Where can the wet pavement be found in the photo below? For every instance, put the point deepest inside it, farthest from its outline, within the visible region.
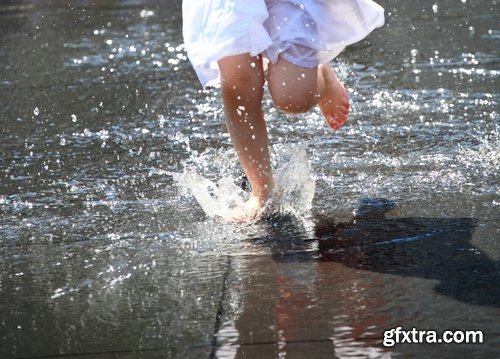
(104, 254)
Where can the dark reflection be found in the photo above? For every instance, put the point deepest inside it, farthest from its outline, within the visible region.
(433, 248)
(337, 283)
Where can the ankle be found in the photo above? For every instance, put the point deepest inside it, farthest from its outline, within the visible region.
(262, 195)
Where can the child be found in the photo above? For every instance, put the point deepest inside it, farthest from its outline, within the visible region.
(227, 41)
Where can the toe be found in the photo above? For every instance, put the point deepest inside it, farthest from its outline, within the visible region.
(336, 121)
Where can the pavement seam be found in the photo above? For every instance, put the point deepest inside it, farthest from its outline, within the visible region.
(220, 309)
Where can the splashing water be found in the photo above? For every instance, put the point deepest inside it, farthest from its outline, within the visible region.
(486, 155)
(293, 194)
(293, 181)
(216, 199)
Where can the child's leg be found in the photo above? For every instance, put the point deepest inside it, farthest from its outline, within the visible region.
(296, 89)
(334, 100)
(242, 81)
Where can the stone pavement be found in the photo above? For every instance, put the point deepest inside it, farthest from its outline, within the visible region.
(100, 259)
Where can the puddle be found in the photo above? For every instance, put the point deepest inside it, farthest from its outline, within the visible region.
(116, 167)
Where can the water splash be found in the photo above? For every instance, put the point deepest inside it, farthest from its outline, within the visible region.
(293, 181)
(216, 199)
(486, 155)
(294, 191)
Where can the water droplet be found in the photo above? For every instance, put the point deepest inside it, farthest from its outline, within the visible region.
(146, 13)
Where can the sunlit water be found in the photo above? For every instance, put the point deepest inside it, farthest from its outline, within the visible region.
(117, 170)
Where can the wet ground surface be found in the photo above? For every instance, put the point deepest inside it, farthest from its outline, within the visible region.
(103, 254)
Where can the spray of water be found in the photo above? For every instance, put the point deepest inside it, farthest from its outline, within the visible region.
(293, 194)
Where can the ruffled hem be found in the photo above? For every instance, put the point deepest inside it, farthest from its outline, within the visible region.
(306, 32)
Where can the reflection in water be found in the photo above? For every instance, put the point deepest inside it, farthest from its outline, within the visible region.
(334, 282)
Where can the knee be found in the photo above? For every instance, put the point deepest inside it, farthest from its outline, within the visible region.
(293, 88)
(293, 101)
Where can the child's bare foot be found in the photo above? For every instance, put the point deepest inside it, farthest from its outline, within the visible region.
(257, 207)
(250, 212)
(334, 103)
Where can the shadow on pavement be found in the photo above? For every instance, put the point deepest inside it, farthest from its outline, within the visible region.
(431, 248)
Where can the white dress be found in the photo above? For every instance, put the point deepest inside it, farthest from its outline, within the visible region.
(305, 32)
